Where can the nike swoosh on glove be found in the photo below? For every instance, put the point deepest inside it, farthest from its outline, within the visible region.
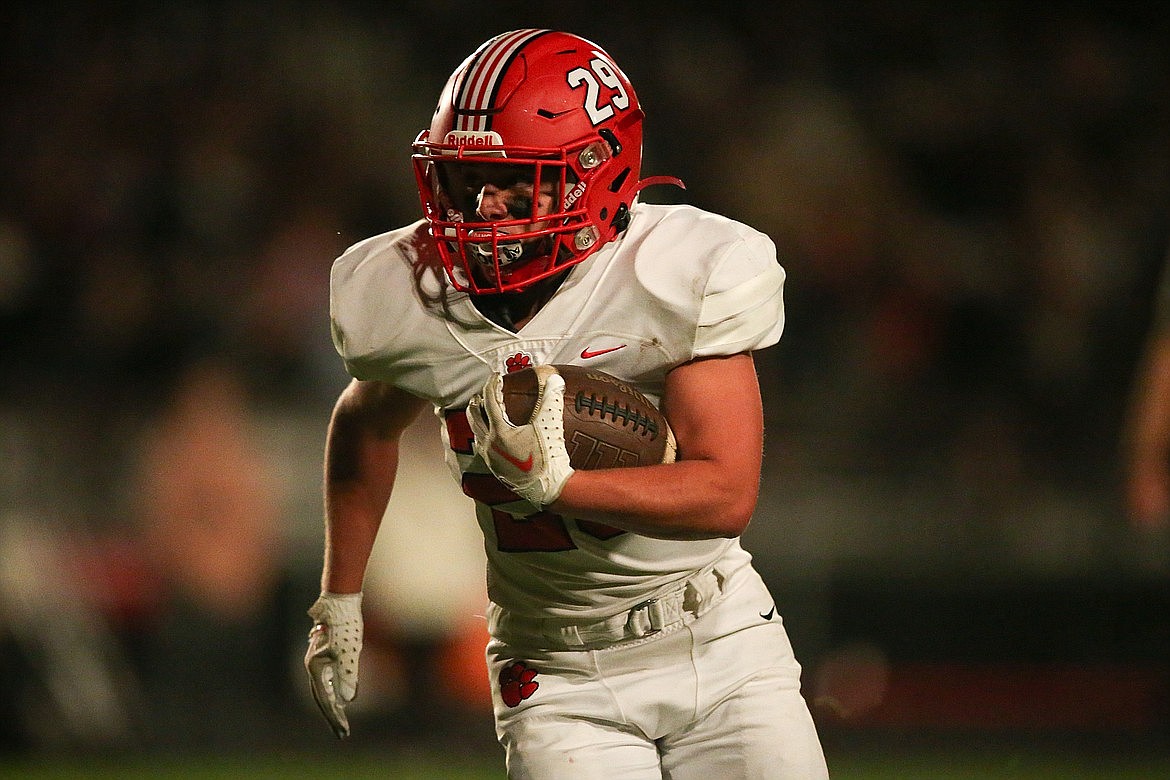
(335, 643)
(530, 458)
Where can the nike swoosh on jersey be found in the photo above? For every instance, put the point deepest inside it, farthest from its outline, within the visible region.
(768, 615)
(523, 465)
(592, 353)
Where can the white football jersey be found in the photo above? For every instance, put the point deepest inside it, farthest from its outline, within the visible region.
(678, 284)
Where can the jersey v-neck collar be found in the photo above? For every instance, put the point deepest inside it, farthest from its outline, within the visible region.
(504, 310)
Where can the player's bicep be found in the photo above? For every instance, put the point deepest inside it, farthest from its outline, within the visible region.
(714, 408)
(367, 423)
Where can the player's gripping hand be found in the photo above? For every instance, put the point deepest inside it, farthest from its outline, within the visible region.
(531, 457)
(335, 643)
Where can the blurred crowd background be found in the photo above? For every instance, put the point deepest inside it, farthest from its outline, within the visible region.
(972, 201)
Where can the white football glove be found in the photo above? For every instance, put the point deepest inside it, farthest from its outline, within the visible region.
(332, 659)
(531, 457)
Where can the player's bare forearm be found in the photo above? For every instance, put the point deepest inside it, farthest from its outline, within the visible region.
(715, 411)
(361, 460)
(683, 500)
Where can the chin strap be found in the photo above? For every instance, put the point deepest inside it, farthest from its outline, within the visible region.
(650, 181)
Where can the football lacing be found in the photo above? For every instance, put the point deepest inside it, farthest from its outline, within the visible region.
(628, 416)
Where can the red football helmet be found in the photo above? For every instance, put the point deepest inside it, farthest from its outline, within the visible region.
(532, 160)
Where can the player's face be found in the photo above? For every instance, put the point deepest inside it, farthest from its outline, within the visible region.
(497, 191)
(513, 201)
(508, 196)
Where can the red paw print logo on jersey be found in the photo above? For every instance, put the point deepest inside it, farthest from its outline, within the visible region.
(518, 362)
(517, 683)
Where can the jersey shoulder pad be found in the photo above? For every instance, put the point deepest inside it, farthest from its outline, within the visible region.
(374, 291)
(723, 272)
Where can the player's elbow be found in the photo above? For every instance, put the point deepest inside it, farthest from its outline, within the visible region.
(737, 505)
(736, 520)
(720, 519)
(724, 525)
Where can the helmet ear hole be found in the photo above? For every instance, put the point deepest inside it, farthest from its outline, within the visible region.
(619, 182)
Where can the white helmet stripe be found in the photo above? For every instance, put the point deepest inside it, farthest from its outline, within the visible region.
(479, 83)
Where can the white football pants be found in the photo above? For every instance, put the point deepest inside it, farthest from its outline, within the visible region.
(715, 697)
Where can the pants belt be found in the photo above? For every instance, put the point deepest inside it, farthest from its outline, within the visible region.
(692, 598)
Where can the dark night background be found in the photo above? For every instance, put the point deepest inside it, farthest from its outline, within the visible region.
(970, 200)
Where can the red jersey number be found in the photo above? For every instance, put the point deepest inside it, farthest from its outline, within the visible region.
(540, 532)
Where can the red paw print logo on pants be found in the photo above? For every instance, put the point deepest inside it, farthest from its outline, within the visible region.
(517, 683)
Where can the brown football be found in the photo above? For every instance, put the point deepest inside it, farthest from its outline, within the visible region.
(608, 424)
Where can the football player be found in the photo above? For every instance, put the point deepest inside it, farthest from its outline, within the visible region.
(630, 634)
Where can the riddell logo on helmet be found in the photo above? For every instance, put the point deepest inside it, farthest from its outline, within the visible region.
(473, 138)
(575, 193)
